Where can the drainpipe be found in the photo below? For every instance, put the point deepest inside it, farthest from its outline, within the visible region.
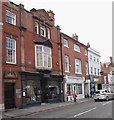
(61, 59)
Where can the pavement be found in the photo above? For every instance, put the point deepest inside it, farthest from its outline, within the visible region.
(16, 113)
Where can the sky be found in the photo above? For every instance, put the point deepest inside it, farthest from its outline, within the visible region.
(91, 20)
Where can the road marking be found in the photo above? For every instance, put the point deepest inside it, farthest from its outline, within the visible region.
(84, 112)
(106, 103)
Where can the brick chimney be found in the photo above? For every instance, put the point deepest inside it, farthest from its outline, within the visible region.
(88, 45)
(52, 18)
(75, 36)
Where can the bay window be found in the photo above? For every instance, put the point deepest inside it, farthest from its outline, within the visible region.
(43, 57)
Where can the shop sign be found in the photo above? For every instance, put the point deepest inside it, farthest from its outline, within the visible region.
(46, 75)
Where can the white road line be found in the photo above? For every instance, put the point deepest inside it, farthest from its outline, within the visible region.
(106, 103)
(84, 112)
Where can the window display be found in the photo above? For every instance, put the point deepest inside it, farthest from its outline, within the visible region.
(32, 91)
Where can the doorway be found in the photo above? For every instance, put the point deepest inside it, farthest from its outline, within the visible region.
(9, 95)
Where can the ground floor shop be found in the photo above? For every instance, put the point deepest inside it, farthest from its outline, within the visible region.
(73, 84)
(95, 84)
(40, 88)
(30, 89)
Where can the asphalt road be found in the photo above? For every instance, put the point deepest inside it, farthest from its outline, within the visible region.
(89, 109)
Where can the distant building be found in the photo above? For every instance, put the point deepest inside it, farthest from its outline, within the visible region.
(108, 75)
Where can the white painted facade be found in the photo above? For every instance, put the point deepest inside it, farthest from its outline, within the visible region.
(94, 65)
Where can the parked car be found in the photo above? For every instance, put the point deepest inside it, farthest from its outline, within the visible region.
(103, 95)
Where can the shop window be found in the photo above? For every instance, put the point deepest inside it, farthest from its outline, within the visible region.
(79, 88)
(51, 92)
(68, 89)
(32, 91)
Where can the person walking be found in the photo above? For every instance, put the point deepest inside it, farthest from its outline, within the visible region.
(74, 96)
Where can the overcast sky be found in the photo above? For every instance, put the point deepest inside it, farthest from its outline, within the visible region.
(90, 19)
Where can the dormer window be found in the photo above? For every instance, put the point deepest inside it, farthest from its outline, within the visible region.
(42, 31)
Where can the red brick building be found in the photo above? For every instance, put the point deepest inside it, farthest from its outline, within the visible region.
(31, 70)
(75, 66)
(107, 75)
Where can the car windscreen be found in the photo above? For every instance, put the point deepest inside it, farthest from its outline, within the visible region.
(97, 92)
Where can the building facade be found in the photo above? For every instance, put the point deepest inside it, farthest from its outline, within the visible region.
(75, 66)
(31, 59)
(94, 69)
(107, 75)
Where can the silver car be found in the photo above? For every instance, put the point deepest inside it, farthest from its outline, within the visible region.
(103, 95)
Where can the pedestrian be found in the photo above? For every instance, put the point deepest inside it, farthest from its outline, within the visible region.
(74, 96)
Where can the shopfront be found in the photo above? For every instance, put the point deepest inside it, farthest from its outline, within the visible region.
(40, 88)
(73, 83)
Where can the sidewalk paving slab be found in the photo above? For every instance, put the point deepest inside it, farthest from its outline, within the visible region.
(35, 109)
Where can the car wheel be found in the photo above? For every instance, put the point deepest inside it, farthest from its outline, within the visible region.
(107, 98)
(95, 100)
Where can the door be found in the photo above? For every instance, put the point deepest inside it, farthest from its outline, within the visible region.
(9, 96)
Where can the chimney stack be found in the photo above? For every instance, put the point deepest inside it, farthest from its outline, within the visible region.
(52, 18)
(75, 36)
(88, 45)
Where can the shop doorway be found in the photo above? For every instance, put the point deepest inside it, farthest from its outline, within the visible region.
(9, 95)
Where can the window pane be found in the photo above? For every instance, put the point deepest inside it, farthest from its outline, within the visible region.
(10, 17)
(44, 57)
(10, 50)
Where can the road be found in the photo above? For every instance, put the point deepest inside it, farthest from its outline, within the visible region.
(89, 109)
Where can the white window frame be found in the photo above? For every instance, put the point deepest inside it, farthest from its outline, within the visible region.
(45, 56)
(78, 66)
(48, 33)
(36, 28)
(12, 48)
(66, 63)
(43, 31)
(10, 17)
(65, 43)
(76, 48)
